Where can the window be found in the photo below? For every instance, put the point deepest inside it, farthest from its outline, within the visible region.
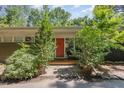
(69, 47)
(29, 39)
(18, 39)
(7, 39)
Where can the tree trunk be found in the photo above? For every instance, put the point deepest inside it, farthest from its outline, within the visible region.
(87, 70)
(41, 69)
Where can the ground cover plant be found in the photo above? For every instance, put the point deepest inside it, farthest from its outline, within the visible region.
(21, 65)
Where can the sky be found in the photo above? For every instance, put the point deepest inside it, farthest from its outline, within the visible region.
(75, 10)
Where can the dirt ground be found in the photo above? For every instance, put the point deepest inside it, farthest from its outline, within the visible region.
(66, 77)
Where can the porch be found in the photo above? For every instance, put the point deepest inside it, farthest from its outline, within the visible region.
(63, 62)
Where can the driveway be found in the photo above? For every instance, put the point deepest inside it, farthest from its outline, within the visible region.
(57, 77)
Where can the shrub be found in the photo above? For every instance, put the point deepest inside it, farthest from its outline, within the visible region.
(31, 59)
(44, 46)
(92, 45)
(20, 65)
(98, 36)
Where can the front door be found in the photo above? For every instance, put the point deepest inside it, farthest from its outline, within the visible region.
(60, 47)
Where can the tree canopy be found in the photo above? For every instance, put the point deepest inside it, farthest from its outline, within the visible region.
(22, 16)
(97, 39)
(15, 16)
(59, 17)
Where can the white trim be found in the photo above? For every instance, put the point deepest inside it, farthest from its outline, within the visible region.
(64, 49)
(55, 48)
(12, 38)
(74, 45)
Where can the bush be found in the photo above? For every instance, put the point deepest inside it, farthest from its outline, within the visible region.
(31, 59)
(44, 46)
(92, 45)
(98, 36)
(20, 65)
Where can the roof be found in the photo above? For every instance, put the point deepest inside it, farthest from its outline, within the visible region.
(24, 31)
(76, 27)
(35, 28)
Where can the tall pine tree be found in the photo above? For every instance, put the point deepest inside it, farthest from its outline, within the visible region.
(44, 44)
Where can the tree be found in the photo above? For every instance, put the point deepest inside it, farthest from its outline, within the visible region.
(106, 19)
(44, 44)
(77, 21)
(96, 40)
(25, 12)
(109, 22)
(80, 21)
(3, 22)
(31, 59)
(91, 45)
(34, 17)
(59, 17)
(13, 16)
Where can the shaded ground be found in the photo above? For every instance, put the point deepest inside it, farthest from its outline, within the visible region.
(66, 76)
(2, 68)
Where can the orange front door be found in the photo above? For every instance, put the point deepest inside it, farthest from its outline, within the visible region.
(60, 47)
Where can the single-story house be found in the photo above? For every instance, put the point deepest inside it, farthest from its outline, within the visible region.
(10, 37)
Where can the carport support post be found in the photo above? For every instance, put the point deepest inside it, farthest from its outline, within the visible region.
(74, 45)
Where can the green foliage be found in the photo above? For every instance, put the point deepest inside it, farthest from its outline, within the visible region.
(15, 16)
(119, 37)
(24, 63)
(3, 22)
(100, 35)
(59, 17)
(106, 19)
(92, 45)
(78, 21)
(34, 17)
(44, 45)
(21, 65)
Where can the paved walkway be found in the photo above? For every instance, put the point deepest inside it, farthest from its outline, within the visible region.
(55, 83)
(54, 79)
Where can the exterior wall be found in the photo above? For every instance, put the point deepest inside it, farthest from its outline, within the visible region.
(6, 49)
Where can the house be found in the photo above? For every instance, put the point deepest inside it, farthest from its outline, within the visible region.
(10, 37)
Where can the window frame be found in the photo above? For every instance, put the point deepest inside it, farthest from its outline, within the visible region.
(30, 41)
